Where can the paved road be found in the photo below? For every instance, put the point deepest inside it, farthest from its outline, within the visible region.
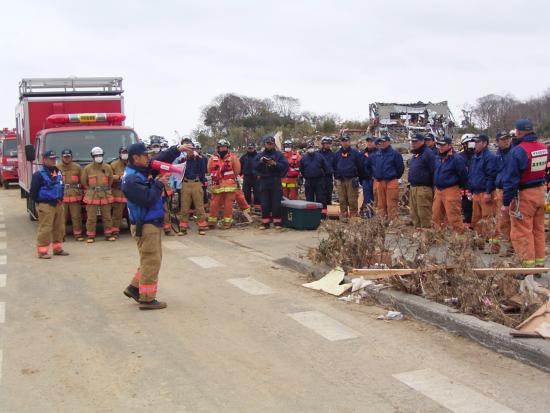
(239, 335)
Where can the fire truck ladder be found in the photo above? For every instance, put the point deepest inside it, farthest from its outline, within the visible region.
(71, 86)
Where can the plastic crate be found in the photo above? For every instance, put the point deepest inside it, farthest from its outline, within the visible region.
(301, 214)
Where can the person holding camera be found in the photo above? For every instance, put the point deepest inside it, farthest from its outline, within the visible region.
(270, 166)
(144, 189)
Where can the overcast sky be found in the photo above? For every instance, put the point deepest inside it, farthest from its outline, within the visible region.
(335, 56)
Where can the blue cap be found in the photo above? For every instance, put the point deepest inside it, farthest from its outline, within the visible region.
(251, 145)
(444, 140)
(385, 138)
(369, 138)
(502, 135)
(482, 137)
(66, 151)
(268, 139)
(137, 149)
(429, 136)
(50, 154)
(345, 137)
(378, 141)
(524, 125)
(417, 137)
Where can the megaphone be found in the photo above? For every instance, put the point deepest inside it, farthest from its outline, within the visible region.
(168, 168)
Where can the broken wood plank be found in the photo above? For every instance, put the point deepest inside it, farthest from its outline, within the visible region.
(510, 271)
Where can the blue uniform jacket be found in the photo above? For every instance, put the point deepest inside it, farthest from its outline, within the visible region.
(276, 171)
(367, 163)
(314, 165)
(329, 157)
(387, 164)
(482, 173)
(37, 183)
(517, 164)
(195, 168)
(421, 167)
(247, 163)
(501, 159)
(348, 166)
(146, 193)
(450, 171)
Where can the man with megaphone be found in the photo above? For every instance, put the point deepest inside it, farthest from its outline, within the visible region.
(143, 186)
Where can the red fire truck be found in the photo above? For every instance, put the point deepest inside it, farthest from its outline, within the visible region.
(74, 113)
(8, 158)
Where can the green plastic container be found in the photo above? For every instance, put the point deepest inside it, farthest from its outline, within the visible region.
(301, 214)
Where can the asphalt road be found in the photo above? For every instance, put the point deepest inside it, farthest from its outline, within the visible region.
(239, 335)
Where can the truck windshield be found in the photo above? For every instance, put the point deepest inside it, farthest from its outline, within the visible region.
(9, 148)
(81, 142)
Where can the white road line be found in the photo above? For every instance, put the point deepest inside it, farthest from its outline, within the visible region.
(0, 366)
(324, 325)
(2, 311)
(3, 259)
(205, 262)
(3, 245)
(251, 286)
(3, 280)
(2, 234)
(2, 226)
(449, 393)
(174, 245)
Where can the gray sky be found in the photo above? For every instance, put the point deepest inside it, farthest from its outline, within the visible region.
(335, 56)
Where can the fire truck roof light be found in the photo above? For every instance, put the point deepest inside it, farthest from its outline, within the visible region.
(86, 118)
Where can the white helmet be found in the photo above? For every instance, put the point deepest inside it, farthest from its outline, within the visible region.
(512, 133)
(96, 151)
(467, 137)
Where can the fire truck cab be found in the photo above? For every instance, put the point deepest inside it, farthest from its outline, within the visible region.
(73, 113)
(8, 158)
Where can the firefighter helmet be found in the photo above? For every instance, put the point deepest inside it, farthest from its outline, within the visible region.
(467, 137)
(326, 139)
(224, 142)
(96, 151)
(288, 142)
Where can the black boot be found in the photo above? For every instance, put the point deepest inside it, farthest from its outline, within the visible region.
(132, 292)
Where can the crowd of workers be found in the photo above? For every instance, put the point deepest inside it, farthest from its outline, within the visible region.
(447, 188)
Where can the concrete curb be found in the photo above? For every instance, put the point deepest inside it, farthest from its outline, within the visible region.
(535, 352)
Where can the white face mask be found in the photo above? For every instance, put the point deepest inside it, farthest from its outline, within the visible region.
(471, 145)
(288, 149)
(310, 150)
(156, 150)
(98, 159)
(124, 156)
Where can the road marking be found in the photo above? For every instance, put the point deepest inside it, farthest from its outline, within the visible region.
(251, 286)
(0, 366)
(205, 262)
(3, 259)
(2, 234)
(2, 280)
(174, 245)
(3, 245)
(2, 311)
(2, 226)
(324, 325)
(449, 393)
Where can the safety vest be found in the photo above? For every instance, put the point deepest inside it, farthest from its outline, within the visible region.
(138, 213)
(537, 157)
(51, 190)
(293, 164)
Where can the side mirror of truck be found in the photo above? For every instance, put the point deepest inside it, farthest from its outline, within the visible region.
(30, 153)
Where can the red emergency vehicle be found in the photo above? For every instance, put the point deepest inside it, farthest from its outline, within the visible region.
(8, 158)
(74, 113)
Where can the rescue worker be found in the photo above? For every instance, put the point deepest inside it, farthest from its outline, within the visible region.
(119, 200)
(524, 194)
(467, 152)
(191, 193)
(270, 166)
(504, 143)
(481, 183)
(223, 167)
(47, 193)
(290, 181)
(421, 174)
(450, 175)
(313, 167)
(250, 180)
(97, 179)
(146, 215)
(348, 170)
(72, 199)
(330, 156)
(368, 183)
(430, 142)
(387, 169)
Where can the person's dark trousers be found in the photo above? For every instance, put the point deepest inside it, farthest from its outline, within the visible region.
(368, 198)
(315, 190)
(251, 189)
(329, 187)
(271, 194)
(467, 209)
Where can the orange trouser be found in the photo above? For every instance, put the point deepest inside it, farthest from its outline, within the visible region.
(241, 200)
(222, 200)
(482, 214)
(290, 188)
(387, 198)
(503, 219)
(446, 209)
(528, 233)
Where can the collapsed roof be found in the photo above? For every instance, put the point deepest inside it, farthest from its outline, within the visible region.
(396, 113)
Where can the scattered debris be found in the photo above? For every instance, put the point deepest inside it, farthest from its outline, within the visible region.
(391, 315)
(537, 326)
(360, 283)
(331, 283)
